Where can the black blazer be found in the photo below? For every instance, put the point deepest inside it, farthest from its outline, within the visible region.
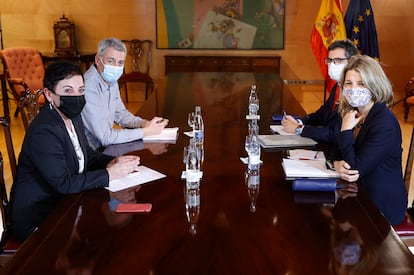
(48, 169)
(376, 154)
(322, 125)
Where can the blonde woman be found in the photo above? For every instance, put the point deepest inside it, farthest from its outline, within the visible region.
(370, 139)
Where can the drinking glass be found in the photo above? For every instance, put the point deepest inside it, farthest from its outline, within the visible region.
(190, 119)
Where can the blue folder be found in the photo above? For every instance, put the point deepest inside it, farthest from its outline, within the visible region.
(305, 184)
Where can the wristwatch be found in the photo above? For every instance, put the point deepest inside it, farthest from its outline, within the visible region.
(299, 129)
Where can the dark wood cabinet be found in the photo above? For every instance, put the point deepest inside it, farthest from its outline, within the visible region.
(214, 63)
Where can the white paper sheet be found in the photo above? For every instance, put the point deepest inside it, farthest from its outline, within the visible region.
(306, 154)
(167, 134)
(143, 175)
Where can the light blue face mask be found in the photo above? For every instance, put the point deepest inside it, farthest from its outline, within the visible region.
(112, 73)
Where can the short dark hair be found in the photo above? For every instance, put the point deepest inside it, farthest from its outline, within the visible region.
(59, 70)
(347, 45)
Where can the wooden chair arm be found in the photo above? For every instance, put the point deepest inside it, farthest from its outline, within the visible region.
(18, 81)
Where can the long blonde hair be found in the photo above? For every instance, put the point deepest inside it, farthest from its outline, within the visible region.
(374, 79)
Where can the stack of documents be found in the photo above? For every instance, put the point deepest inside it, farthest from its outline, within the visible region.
(301, 168)
(167, 135)
(308, 170)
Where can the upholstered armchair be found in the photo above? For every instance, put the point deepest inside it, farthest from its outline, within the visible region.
(24, 72)
(138, 65)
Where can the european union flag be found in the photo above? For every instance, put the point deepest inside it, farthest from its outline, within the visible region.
(360, 27)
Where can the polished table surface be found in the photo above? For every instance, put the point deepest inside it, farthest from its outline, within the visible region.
(289, 233)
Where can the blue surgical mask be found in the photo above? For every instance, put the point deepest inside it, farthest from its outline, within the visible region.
(112, 73)
(357, 97)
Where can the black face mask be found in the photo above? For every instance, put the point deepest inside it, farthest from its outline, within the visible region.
(71, 106)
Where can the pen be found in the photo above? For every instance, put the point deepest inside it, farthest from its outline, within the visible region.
(284, 114)
(316, 155)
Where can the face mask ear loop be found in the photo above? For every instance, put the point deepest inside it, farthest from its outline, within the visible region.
(51, 104)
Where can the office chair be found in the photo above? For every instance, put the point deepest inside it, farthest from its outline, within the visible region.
(409, 97)
(24, 70)
(138, 65)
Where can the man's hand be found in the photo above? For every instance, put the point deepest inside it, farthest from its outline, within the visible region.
(154, 126)
(289, 124)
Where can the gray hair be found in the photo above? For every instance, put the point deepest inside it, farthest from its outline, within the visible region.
(106, 43)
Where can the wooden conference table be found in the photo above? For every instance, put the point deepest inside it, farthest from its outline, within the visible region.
(289, 233)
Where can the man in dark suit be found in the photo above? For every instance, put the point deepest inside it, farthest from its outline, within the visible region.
(322, 124)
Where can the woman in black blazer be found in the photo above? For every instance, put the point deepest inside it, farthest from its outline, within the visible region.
(55, 158)
(370, 137)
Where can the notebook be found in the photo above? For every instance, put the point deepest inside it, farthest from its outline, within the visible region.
(297, 168)
(273, 141)
(167, 135)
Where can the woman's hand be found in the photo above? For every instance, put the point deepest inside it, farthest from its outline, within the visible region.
(350, 120)
(345, 172)
(154, 126)
(122, 166)
(290, 124)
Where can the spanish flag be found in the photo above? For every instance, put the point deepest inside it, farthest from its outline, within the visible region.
(329, 26)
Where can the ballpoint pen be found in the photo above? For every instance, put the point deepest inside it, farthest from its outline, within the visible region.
(284, 114)
(316, 155)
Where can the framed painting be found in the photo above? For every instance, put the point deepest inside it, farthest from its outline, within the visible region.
(220, 24)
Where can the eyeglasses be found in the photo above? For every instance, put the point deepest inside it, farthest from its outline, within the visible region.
(336, 60)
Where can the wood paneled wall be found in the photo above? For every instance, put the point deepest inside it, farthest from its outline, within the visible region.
(31, 22)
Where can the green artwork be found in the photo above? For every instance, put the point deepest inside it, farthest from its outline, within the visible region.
(220, 24)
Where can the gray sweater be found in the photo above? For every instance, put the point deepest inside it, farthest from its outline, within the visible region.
(103, 108)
